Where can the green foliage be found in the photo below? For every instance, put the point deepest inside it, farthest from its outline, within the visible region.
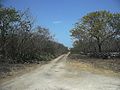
(21, 43)
(94, 29)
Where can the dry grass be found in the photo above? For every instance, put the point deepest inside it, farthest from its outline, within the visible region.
(82, 66)
(108, 64)
(9, 71)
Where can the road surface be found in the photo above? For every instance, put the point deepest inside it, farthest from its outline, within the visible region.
(56, 76)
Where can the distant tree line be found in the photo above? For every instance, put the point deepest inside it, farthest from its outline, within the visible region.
(20, 42)
(97, 32)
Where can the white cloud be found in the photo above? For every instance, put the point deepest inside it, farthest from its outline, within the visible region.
(57, 22)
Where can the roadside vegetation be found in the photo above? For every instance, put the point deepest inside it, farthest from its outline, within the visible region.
(23, 43)
(98, 63)
(96, 39)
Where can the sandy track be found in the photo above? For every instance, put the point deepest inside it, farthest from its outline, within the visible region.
(56, 76)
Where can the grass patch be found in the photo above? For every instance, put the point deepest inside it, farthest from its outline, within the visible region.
(8, 71)
(100, 66)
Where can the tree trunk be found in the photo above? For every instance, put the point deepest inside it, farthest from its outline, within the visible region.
(99, 48)
(99, 45)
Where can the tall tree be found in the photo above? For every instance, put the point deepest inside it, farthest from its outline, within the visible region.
(8, 18)
(19, 42)
(97, 26)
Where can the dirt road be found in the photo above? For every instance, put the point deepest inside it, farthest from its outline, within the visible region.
(57, 76)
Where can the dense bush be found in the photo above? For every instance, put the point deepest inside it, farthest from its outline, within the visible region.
(97, 33)
(20, 42)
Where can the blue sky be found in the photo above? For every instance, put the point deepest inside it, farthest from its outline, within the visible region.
(60, 15)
